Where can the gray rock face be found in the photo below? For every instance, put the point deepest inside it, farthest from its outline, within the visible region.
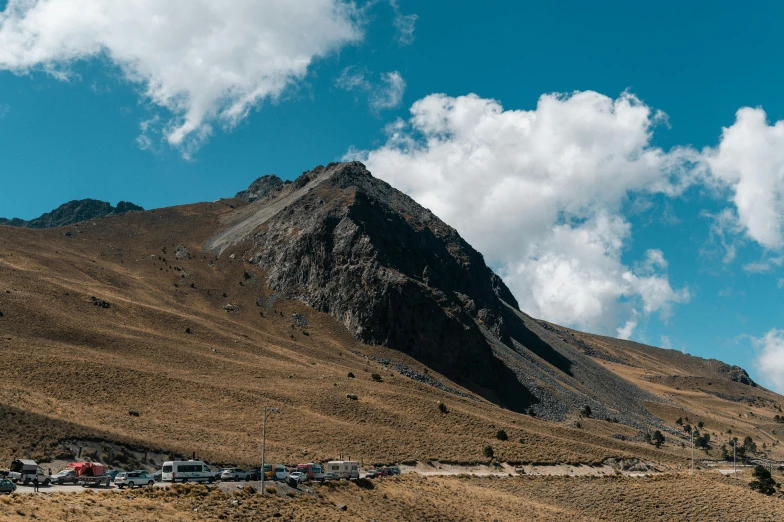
(394, 274)
(350, 245)
(73, 212)
(261, 188)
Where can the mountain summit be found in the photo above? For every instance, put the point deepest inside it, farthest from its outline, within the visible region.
(73, 212)
(394, 274)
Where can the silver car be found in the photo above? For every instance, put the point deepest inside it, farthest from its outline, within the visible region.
(235, 474)
(133, 479)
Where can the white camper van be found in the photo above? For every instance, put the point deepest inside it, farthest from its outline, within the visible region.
(186, 471)
(25, 471)
(347, 469)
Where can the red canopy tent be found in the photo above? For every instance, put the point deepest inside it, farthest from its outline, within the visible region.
(87, 469)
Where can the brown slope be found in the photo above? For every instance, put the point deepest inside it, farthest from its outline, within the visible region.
(75, 369)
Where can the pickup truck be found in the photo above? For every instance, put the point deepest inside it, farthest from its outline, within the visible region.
(90, 474)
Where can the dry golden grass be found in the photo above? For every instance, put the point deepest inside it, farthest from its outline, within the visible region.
(704, 497)
(71, 371)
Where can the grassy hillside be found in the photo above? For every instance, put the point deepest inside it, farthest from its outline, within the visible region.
(128, 313)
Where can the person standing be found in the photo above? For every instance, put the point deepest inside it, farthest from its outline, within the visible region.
(35, 483)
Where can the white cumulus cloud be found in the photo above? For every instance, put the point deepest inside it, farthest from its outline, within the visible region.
(770, 358)
(539, 194)
(206, 62)
(749, 160)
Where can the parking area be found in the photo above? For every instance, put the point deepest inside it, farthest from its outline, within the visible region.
(282, 487)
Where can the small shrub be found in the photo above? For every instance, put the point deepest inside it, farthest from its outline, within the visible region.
(488, 451)
(501, 435)
(763, 482)
(521, 441)
(658, 438)
(442, 407)
(586, 411)
(578, 425)
(246, 276)
(679, 422)
(187, 330)
(376, 377)
(351, 375)
(271, 490)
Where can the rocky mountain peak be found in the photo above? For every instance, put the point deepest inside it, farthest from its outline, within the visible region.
(73, 212)
(260, 188)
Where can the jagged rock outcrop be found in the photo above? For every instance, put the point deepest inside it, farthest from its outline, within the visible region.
(73, 212)
(394, 274)
(261, 188)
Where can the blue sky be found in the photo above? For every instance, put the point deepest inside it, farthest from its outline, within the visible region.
(669, 237)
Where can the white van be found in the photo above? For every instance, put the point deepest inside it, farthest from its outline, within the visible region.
(186, 471)
(347, 469)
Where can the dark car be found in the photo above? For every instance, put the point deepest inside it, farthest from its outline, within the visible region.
(66, 476)
(6, 486)
(112, 473)
(253, 474)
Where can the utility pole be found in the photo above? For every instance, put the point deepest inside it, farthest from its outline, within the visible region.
(267, 411)
(734, 465)
(692, 451)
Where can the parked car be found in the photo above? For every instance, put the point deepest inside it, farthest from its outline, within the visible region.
(253, 474)
(157, 476)
(133, 479)
(66, 476)
(331, 475)
(112, 473)
(372, 473)
(6, 486)
(393, 470)
(311, 470)
(280, 472)
(235, 474)
(298, 476)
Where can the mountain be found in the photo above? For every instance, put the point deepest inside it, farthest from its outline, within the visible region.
(356, 311)
(350, 245)
(73, 212)
(261, 188)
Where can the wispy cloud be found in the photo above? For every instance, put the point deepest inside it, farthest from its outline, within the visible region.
(404, 24)
(385, 94)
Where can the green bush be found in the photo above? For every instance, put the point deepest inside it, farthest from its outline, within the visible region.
(763, 482)
(488, 451)
(376, 377)
(501, 435)
(442, 407)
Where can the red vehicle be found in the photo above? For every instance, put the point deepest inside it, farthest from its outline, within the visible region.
(311, 470)
(90, 473)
